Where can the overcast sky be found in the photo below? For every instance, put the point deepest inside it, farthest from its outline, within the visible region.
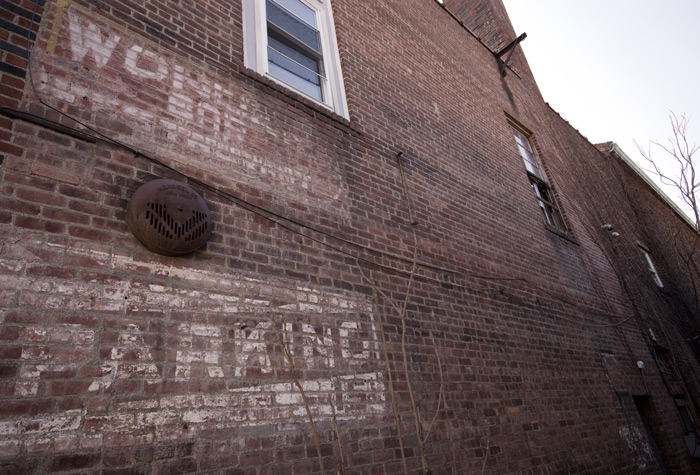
(615, 68)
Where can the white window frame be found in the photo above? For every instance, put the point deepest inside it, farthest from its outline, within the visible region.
(255, 51)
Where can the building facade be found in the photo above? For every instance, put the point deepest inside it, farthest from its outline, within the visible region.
(410, 263)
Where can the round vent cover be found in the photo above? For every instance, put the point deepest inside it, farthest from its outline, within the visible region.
(169, 217)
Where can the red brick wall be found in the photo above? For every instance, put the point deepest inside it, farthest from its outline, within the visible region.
(117, 360)
(488, 19)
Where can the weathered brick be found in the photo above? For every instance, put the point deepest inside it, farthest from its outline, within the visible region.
(72, 355)
(65, 388)
(117, 458)
(73, 462)
(185, 465)
(9, 332)
(7, 371)
(32, 407)
(10, 352)
(177, 364)
(19, 466)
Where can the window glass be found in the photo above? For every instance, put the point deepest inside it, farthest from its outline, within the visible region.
(527, 154)
(294, 46)
(298, 71)
(546, 201)
(284, 21)
(298, 9)
(652, 268)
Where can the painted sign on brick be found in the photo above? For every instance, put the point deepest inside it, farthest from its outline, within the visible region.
(159, 361)
(174, 109)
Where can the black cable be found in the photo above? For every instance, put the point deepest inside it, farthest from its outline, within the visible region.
(237, 200)
(266, 214)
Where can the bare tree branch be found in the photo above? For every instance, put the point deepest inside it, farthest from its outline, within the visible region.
(676, 168)
(284, 342)
(680, 173)
(337, 437)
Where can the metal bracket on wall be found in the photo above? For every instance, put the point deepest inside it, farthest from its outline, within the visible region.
(503, 64)
(411, 216)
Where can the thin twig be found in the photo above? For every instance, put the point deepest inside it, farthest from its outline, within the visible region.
(441, 393)
(452, 445)
(402, 315)
(337, 437)
(685, 180)
(290, 361)
(394, 404)
(486, 454)
(414, 407)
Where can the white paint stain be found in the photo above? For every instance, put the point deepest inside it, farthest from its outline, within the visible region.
(638, 443)
(87, 39)
(339, 341)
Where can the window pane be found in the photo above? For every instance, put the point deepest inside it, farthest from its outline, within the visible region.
(291, 42)
(526, 153)
(294, 74)
(551, 214)
(299, 9)
(291, 24)
(296, 82)
(556, 220)
(530, 164)
(294, 61)
(294, 46)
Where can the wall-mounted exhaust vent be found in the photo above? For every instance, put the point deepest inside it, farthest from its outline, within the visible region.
(169, 217)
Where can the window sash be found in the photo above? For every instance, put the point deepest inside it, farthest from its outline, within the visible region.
(295, 74)
(550, 210)
(527, 154)
(285, 23)
(294, 52)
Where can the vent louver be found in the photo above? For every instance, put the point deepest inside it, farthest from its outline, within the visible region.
(169, 217)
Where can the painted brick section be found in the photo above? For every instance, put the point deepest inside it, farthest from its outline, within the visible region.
(475, 341)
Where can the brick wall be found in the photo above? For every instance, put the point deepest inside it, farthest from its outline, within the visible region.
(488, 19)
(318, 329)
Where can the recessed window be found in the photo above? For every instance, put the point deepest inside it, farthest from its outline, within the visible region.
(293, 43)
(538, 181)
(651, 268)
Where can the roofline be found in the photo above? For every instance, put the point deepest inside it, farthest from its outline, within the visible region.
(615, 149)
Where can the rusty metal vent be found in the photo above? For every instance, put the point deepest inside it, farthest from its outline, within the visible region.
(169, 217)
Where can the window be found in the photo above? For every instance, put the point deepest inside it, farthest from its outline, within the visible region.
(692, 440)
(293, 43)
(651, 268)
(538, 181)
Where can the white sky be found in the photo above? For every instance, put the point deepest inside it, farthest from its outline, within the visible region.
(615, 68)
